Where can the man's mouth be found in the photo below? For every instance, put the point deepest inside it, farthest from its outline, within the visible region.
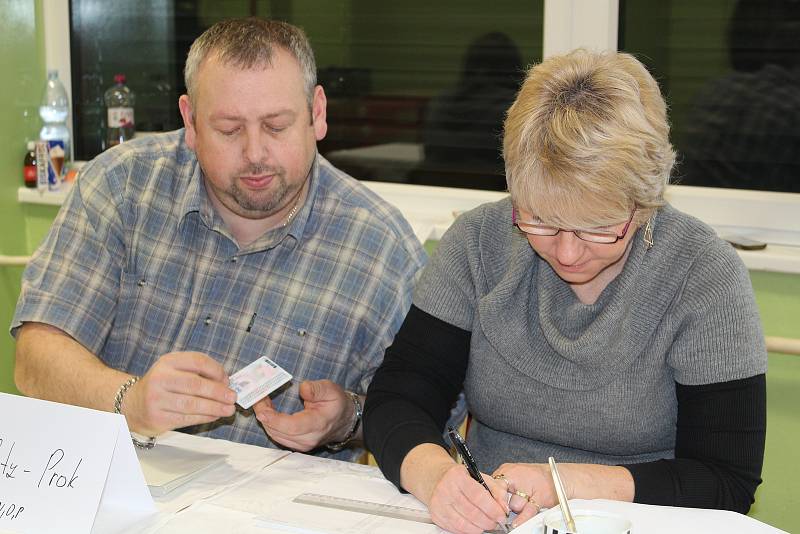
(256, 182)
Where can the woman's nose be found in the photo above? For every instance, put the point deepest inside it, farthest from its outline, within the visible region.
(568, 248)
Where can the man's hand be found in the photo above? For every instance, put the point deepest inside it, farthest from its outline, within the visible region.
(327, 417)
(181, 389)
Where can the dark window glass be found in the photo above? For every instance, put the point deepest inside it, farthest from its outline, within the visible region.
(139, 39)
(731, 73)
(416, 90)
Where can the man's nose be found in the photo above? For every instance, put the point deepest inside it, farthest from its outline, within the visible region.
(255, 150)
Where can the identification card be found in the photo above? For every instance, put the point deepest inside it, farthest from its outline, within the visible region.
(257, 380)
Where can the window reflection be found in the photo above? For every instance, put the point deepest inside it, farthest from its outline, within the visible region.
(463, 126)
(730, 71)
(745, 131)
(133, 38)
(406, 100)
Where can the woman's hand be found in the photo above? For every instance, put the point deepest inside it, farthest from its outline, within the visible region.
(460, 504)
(456, 502)
(531, 485)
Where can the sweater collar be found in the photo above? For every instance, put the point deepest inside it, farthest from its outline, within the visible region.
(535, 321)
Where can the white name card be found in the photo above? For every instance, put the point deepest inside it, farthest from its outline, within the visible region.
(67, 469)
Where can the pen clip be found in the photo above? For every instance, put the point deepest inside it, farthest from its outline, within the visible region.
(466, 457)
(250, 324)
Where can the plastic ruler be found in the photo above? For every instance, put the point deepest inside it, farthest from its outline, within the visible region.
(365, 507)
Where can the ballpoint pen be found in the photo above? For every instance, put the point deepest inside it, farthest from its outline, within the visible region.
(469, 462)
(569, 522)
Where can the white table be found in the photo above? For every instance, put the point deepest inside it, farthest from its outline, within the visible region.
(252, 492)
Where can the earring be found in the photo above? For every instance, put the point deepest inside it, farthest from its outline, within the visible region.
(648, 232)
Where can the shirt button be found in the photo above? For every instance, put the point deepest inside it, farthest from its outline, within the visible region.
(142, 282)
(208, 320)
(234, 259)
(301, 332)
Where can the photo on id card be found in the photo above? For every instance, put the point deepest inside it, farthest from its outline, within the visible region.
(257, 380)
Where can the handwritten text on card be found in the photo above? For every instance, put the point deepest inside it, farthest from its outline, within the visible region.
(56, 463)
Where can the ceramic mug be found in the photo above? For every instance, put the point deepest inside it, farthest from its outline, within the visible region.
(586, 522)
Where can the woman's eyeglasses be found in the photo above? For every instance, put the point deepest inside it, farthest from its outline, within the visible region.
(594, 235)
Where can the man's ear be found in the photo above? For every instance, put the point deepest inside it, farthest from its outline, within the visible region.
(185, 105)
(319, 113)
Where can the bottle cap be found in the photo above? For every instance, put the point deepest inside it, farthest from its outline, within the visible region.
(119, 78)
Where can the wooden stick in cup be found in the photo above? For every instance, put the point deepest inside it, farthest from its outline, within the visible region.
(562, 497)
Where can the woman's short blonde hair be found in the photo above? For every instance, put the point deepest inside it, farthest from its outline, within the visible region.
(587, 140)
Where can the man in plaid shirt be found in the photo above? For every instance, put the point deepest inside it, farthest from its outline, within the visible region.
(180, 258)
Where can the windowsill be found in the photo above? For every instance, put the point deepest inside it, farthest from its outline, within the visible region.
(26, 195)
(770, 217)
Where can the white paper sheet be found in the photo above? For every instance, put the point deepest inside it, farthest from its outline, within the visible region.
(270, 494)
(242, 462)
(167, 467)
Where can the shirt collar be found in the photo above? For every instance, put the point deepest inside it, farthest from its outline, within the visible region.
(196, 198)
(298, 223)
(294, 230)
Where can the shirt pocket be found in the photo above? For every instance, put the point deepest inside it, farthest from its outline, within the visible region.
(308, 349)
(148, 320)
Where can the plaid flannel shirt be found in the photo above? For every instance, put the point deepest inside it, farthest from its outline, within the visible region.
(138, 264)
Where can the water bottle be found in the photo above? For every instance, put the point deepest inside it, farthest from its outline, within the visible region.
(119, 105)
(54, 112)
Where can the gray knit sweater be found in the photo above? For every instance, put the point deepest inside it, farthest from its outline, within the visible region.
(548, 375)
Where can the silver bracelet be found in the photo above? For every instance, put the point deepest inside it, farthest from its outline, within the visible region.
(359, 411)
(150, 441)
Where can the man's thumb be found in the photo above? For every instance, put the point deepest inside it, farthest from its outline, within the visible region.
(314, 390)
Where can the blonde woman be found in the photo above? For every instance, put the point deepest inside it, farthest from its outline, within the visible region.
(584, 318)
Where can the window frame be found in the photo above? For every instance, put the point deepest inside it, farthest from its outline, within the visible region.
(568, 24)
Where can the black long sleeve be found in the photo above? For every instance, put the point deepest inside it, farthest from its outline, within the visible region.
(410, 397)
(720, 430)
(719, 449)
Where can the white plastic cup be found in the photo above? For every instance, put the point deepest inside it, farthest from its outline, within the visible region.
(586, 522)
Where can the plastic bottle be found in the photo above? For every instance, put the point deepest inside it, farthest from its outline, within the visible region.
(54, 112)
(29, 166)
(119, 101)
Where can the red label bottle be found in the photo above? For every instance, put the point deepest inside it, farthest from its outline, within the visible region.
(29, 167)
